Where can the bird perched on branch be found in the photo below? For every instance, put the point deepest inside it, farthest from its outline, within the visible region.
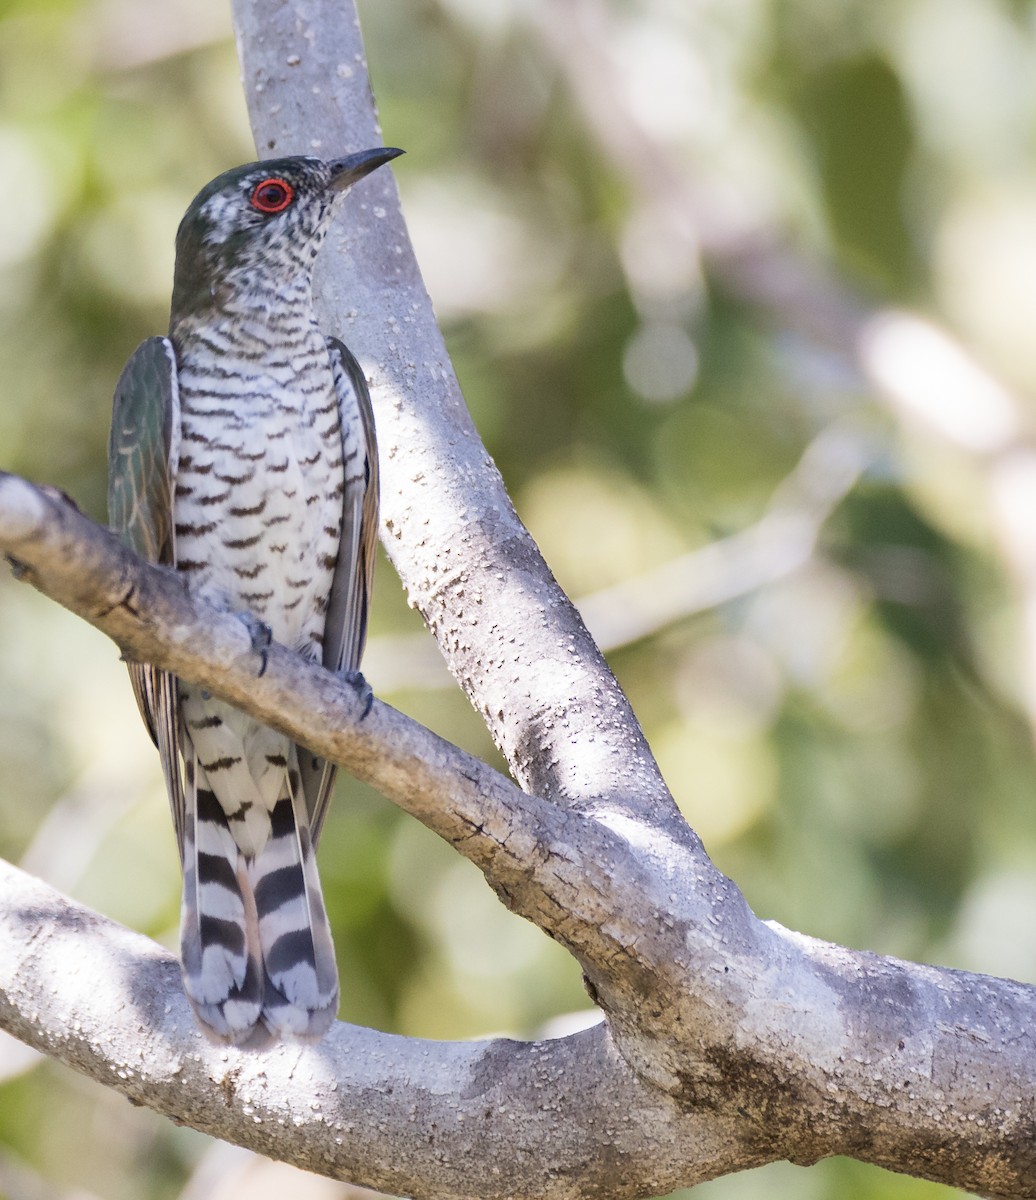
(242, 453)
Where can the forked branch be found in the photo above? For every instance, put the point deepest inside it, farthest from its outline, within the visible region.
(729, 1041)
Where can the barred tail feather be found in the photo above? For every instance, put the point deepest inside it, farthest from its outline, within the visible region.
(219, 943)
(301, 992)
(256, 952)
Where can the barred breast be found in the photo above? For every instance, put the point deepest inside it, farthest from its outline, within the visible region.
(258, 502)
(258, 521)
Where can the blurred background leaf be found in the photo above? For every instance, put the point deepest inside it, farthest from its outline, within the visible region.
(839, 712)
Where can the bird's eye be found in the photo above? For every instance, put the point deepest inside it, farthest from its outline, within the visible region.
(272, 195)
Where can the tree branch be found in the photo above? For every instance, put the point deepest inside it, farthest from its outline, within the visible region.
(781, 542)
(734, 1040)
(448, 1119)
(537, 678)
(730, 1042)
(534, 854)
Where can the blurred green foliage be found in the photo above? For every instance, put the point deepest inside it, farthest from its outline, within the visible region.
(849, 739)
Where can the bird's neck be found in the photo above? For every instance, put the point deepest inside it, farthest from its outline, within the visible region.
(247, 299)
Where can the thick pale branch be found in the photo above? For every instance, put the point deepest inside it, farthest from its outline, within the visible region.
(508, 632)
(553, 866)
(729, 1042)
(148, 612)
(734, 1040)
(473, 1120)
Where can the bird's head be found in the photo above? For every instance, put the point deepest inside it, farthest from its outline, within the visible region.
(262, 219)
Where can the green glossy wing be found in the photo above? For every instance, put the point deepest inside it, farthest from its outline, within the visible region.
(345, 630)
(345, 633)
(143, 450)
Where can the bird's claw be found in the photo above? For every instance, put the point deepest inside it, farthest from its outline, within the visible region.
(261, 636)
(18, 569)
(357, 681)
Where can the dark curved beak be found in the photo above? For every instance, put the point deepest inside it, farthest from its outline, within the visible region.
(349, 170)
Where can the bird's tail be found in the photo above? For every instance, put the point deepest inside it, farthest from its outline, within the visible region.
(219, 929)
(256, 951)
(300, 998)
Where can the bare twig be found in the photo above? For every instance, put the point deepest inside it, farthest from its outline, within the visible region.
(781, 542)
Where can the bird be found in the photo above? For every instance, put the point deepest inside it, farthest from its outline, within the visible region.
(243, 455)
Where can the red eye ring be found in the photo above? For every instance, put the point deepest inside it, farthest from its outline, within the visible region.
(272, 195)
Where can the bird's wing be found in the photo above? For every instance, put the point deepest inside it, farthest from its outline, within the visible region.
(145, 421)
(345, 630)
(143, 451)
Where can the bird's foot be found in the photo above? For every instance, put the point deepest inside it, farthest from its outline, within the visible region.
(357, 681)
(261, 635)
(18, 569)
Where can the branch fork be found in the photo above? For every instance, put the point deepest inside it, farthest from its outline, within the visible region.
(728, 1041)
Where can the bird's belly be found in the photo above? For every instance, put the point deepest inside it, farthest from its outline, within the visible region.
(258, 514)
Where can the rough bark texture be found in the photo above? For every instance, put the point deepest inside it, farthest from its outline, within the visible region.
(466, 560)
(728, 1042)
